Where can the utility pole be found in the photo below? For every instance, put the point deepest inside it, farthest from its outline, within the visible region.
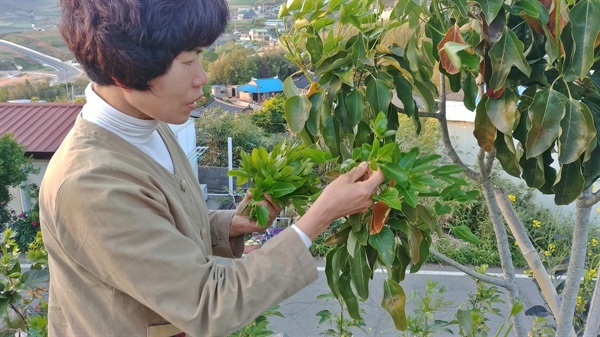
(66, 85)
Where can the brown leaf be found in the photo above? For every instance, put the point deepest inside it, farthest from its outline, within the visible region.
(452, 35)
(381, 212)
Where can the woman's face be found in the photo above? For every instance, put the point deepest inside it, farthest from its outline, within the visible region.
(172, 96)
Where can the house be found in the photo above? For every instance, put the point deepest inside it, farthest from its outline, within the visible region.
(259, 89)
(259, 34)
(41, 128)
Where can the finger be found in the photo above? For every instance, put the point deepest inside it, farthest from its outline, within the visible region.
(375, 179)
(357, 172)
(271, 204)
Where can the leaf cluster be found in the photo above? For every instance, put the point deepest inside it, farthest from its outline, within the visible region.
(286, 174)
(19, 289)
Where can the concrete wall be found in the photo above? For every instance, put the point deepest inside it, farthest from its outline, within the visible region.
(216, 179)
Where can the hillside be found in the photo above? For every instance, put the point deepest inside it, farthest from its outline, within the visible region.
(18, 15)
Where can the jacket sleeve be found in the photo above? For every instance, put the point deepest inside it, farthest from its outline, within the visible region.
(222, 244)
(118, 227)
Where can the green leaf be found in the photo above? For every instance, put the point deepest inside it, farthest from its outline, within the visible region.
(490, 8)
(465, 321)
(262, 215)
(570, 185)
(505, 153)
(585, 29)
(280, 189)
(385, 244)
(576, 132)
(332, 271)
(470, 89)
(297, 109)
(289, 88)
(533, 171)
(505, 54)
(503, 112)
(545, 114)
(355, 102)
(464, 233)
(390, 197)
(394, 302)
(348, 295)
(404, 92)
(484, 130)
(379, 95)
(360, 271)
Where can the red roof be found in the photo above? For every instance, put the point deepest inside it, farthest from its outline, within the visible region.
(40, 127)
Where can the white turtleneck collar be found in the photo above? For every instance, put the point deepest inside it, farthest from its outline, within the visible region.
(141, 133)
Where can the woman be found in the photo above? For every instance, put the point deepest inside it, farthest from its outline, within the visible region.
(132, 248)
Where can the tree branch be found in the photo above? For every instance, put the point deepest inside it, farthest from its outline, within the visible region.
(593, 199)
(529, 252)
(592, 326)
(564, 322)
(430, 115)
(489, 161)
(449, 149)
(485, 278)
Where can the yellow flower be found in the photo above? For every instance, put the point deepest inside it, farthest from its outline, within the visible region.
(594, 242)
(516, 244)
(552, 247)
(537, 224)
(547, 253)
(598, 209)
(512, 197)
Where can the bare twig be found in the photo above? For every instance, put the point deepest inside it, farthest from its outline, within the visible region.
(449, 149)
(485, 278)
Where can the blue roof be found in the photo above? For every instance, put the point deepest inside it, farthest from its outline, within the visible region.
(263, 85)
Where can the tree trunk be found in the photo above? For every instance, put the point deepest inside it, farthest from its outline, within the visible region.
(531, 255)
(508, 269)
(576, 266)
(592, 326)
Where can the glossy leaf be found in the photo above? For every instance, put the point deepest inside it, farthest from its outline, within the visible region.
(394, 302)
(345, 289)
(490, 8)
(379, 95)
(570, 185)
(503, 112)
(448, 48)
(355, 102)
(464, 233)
(585, 29)
(385, 244)
(505, 54)
(506, 155)
(545, 114)
(381, 212)
(289, 88)
(297, 109)
(576, 131)
(360, 272)
(280, 189)
(415, 242)
(262, 215)
(484, 130)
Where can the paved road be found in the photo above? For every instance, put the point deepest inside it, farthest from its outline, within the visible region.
(300, 310)
(63, 70)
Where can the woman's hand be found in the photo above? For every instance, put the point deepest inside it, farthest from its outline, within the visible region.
(240, 224)
(348, 194)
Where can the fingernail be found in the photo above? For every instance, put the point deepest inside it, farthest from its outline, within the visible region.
(362, 164)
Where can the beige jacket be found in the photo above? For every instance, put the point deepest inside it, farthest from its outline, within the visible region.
(131, 247)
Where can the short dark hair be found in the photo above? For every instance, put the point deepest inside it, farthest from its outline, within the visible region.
(131, 42)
